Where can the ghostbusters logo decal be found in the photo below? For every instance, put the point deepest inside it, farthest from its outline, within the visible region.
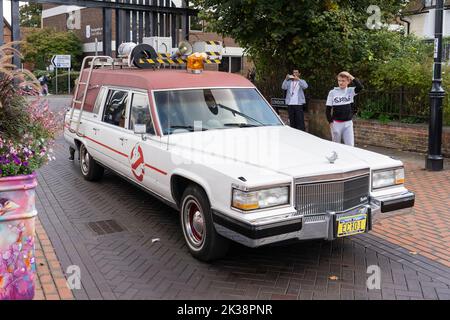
(137, 162)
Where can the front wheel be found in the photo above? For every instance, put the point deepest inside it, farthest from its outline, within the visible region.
(90, 169)
(203, 241)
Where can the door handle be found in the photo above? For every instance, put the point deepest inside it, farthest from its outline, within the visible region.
(96, 129)
(123, 139)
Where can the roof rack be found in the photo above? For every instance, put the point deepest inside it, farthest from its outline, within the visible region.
(140, 56)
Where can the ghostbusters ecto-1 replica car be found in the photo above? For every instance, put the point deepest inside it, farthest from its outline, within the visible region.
(208, 144)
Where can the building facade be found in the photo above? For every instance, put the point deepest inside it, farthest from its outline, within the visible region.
(418, 18)
(7, 36)
(87, 23)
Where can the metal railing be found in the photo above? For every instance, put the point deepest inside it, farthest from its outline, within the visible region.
(396, 105)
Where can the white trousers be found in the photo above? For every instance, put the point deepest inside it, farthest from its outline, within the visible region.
(343, 131)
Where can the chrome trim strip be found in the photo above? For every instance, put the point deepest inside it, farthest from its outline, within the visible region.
(333, 176)
(314, 198)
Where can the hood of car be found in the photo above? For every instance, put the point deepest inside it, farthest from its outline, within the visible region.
(279, 148)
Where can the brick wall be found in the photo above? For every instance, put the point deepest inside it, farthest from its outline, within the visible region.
(408, 137)
(282, 112)
(400, 136)
(6, 32)
(90, 16)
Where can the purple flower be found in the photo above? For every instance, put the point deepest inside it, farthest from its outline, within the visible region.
(25, 163)
(16, 160)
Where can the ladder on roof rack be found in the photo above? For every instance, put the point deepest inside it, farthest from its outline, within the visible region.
(94, 61)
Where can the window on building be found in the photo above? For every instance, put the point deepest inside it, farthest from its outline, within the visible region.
(231, 64)
(225, 64)
(115, 108)
(236, 64)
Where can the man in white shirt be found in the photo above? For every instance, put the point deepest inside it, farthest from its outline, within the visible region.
(295, 99)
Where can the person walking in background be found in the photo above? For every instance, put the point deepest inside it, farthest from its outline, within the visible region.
(43, 80)
(340, 108)
(295, 99)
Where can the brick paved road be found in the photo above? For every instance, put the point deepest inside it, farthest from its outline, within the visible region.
(50, 280)
(427, 229)
(130, 265)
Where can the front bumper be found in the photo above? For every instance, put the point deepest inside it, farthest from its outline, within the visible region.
(321, 226)
(397, 202)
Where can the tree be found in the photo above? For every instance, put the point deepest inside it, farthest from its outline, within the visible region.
(319, 37)
(30, 15)
(41, 45)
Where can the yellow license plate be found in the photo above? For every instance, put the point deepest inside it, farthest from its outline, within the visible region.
(347, 226)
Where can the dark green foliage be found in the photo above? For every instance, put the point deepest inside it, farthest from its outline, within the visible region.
(30, 15)
(42, 44)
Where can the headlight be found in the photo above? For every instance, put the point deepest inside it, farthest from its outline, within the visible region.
(260, 199)
(388, 178)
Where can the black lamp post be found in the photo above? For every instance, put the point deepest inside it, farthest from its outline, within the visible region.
(435, 160)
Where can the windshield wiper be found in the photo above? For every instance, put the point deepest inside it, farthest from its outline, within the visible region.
(234, 111)
(190, 128)
(240, 125)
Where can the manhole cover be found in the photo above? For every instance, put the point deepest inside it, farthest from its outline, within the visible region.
(105, 227)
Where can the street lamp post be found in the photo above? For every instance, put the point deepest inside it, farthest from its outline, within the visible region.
(435, 160)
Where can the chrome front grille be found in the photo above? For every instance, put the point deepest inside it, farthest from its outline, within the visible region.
(318, 197)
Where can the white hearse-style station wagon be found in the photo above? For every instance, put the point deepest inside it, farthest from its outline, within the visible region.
(209, 145)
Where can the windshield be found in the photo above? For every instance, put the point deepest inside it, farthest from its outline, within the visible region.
(209, 109)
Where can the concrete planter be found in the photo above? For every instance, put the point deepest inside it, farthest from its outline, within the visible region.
(17, 235)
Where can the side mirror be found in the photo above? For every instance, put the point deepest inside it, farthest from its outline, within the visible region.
(141, 129)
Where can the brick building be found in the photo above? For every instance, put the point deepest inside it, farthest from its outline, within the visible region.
(7, 37)
(87, 23)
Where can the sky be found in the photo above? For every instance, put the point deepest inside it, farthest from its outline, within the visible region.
(7, 9)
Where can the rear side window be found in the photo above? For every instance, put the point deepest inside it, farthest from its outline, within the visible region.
(98, 101)
(115, 108)
(140, 112)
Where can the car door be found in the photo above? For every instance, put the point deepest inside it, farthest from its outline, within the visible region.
(111, 134)
(143, 150)
(92, 123)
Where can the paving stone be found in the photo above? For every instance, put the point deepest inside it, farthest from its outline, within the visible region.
(127, 265)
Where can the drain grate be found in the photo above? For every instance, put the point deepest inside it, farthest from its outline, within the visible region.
(105, 227)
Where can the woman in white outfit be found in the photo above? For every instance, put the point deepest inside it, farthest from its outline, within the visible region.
(340, 108)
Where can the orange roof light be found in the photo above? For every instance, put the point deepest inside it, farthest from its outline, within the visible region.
(195, 62)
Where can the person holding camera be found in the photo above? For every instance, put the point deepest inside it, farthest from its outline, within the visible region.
(340, 108)
(295, 99)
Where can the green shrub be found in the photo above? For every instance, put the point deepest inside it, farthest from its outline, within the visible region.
(27, 128)
(384, 118)
(62, 80)
(42, 44)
